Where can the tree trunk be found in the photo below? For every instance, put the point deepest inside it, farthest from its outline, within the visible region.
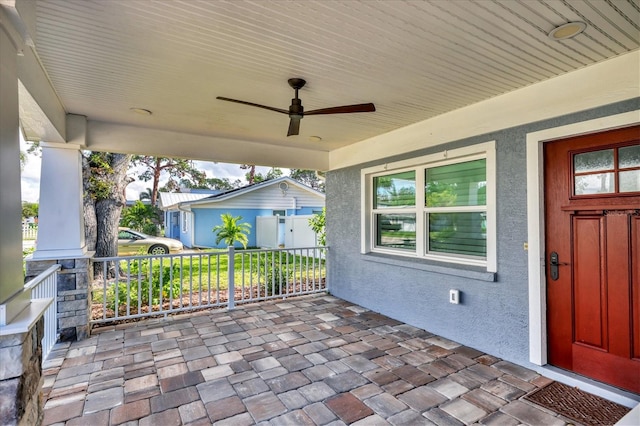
(102, 213)
(156, 182)
(107, 221)
(89, 208)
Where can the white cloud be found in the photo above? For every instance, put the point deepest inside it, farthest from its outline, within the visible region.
(30, 177)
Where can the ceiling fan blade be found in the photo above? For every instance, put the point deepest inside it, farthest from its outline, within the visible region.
(345, 109)
(283, 111)
(294, 126)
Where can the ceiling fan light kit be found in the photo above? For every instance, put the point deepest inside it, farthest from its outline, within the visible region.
(296, 110)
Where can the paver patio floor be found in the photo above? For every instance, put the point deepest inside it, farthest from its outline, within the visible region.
(312, 360)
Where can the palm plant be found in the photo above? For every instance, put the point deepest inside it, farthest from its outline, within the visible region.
(231, 230)
(146, 195)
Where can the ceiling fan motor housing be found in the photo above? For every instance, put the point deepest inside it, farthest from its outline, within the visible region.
(296, 109)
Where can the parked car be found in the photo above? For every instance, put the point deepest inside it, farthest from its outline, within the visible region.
(134, 242)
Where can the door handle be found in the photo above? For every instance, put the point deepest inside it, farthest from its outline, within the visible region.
(554, 262)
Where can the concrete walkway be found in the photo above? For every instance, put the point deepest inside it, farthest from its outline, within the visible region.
(313, 360)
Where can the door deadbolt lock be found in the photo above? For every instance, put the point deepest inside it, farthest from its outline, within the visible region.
(554, 263)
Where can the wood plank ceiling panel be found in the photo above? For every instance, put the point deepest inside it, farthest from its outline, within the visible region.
(414, 60)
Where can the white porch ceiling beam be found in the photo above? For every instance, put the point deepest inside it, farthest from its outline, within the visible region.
(42, 115)
(604, 83)
(113, 137)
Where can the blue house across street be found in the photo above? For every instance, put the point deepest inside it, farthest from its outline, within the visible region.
(169, 203)
(278, 211)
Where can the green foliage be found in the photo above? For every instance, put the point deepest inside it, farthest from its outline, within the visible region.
(141, 217)
(273, 173)
(148, 286)
(231, 230)
(26, 252)
(253, 177)
(308, 177)
(222, 184)
(251, 173)
(440, 195)
(29, 209)
(276, 279)
(100, 182)
(317, 223)
(33, 148)
(146, 194)
(274, 272)
(178, 170)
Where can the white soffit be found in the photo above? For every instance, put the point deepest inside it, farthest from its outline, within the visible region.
(416, 60)
(601, 84)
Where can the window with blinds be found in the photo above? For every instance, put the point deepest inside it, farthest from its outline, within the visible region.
(456, 208)
(435, 208)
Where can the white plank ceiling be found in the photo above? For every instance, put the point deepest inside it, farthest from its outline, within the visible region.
(413, 59)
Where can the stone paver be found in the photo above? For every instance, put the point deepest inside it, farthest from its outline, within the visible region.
(311, 360)
(264, 406)
(131, 411)
(464, 411)
(530, 414)
(103, 400)
(349, 408)
(225, 408)
(422, 398)
(385, 405)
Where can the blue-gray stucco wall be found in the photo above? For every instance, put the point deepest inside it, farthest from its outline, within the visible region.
(493, 315)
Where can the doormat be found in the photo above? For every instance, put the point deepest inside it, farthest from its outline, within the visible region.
(578, 405)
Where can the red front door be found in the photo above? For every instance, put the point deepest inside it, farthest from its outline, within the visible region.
(592, 232)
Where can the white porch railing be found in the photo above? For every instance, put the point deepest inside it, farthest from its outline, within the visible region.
(146, 285)
(43, 286)
(29, 232)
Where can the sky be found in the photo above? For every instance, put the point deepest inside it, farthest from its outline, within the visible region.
(30, 178)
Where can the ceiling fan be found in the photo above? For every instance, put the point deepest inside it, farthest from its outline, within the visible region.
(296, 110)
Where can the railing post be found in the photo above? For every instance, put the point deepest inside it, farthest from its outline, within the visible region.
(231, 276)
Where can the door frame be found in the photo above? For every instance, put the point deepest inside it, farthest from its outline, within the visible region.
(535, 219)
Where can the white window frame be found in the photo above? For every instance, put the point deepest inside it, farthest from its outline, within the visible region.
(484, 150)
(185, 221)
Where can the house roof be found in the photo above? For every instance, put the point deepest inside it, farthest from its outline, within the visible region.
(169, 200)
(107, 62)
(251, 188)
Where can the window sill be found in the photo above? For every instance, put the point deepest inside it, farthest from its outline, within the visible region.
(465, 271)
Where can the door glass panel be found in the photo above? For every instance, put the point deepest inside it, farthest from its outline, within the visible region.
(396, 230)
(593, 161)
(630, 181)
(395, 191)
(600, 183)
(629, 156)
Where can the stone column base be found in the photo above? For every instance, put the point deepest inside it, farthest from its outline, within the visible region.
(74, 294)
(21, 377)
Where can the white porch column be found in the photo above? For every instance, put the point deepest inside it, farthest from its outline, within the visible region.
(60, 218)
(61, 238)
(11, 278)
(21, 319)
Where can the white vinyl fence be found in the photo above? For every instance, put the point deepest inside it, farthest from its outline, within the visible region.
(29, 232)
